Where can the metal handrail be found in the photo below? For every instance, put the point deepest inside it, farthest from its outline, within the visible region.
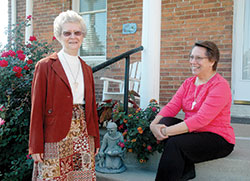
(125, 55)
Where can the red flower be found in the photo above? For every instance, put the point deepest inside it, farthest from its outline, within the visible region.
(11, 53)
(32, 38)
(19, 52)
(21, 56)
(17, 69)
(3, 63)
(153, 109)
(26, 67)
(121, 144)
(18, 75)
(5, 54)
(1, 108)
(149, 148)
(29, 17)
(28, 45)
(54, 38)
(120, 127)
(29, 61)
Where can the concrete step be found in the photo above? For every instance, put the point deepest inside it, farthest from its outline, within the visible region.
(235, 167)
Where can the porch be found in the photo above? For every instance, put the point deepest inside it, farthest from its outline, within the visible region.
(232, 168)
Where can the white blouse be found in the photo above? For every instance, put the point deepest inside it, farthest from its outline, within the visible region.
(73, 69)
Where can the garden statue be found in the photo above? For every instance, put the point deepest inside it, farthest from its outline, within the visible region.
(111, 154)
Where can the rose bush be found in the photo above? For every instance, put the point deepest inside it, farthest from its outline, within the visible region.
(17, 64)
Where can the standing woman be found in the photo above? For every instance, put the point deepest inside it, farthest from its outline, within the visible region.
(64, 132)
(205, 133)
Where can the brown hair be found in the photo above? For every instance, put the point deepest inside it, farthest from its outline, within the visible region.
(212, 52)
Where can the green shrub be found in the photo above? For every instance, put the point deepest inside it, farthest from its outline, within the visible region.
(17, 64)
(134, 126)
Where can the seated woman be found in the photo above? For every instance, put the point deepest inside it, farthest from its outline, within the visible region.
(205, 133)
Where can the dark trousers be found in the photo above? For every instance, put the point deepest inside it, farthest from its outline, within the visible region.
(182, 151)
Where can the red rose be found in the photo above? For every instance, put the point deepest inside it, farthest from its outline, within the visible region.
(19, 52)
(153, 109)
(29, 17)
(29, 61)
(11, 53)
(18, 75)
(32, 38)
(21, 56)
(54, 38)
(5, 54)
(26, 67)
(3, 63)
(17, 69)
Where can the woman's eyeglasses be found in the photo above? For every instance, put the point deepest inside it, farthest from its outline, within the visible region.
(198, 59)
(68, 33)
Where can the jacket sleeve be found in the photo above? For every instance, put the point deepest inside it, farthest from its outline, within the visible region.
(95, 116)
(38, 96)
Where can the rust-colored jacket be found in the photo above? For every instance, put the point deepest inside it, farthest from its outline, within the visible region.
(52, 103)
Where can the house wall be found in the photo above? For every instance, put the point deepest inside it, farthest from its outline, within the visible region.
(183, 23)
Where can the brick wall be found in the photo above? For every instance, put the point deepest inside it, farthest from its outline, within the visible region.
(120, 12)
(183, 23)
(44, 13)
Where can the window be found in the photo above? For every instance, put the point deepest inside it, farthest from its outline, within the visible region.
(94, 12)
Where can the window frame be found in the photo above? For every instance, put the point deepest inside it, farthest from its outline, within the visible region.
(92, 60)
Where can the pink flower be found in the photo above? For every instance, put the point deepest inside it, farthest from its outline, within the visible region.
(17, 69)
(1, 122)
(54, 38)
(153, 109)
(18, 74)
(19, 52)
(29, 17)
(26, 67)
(3, 63)
(5, 54)
(28, 157)
(21, 56)
(149, 148)
(32, 38)
(11, 53)
(29, 61)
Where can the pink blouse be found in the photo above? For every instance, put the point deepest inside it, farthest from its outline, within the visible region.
(211, 112)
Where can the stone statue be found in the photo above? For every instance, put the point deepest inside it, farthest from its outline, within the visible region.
(111, 153)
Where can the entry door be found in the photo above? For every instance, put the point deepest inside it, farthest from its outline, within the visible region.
(241, 52)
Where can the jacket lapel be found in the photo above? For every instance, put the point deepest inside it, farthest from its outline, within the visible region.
(58, 68)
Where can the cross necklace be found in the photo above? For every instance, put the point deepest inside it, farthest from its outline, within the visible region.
(75, 83)
(194, 102)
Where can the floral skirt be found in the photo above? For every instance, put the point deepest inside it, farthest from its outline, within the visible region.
(72, 158)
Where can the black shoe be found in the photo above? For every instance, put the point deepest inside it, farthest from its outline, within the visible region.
(189, 175)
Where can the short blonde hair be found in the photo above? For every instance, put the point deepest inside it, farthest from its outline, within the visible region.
(68, 16)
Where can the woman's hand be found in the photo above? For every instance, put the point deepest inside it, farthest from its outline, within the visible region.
(97, 151)
(159, 131)
(37, 157)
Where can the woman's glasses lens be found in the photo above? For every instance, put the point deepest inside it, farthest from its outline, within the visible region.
(76, 33)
